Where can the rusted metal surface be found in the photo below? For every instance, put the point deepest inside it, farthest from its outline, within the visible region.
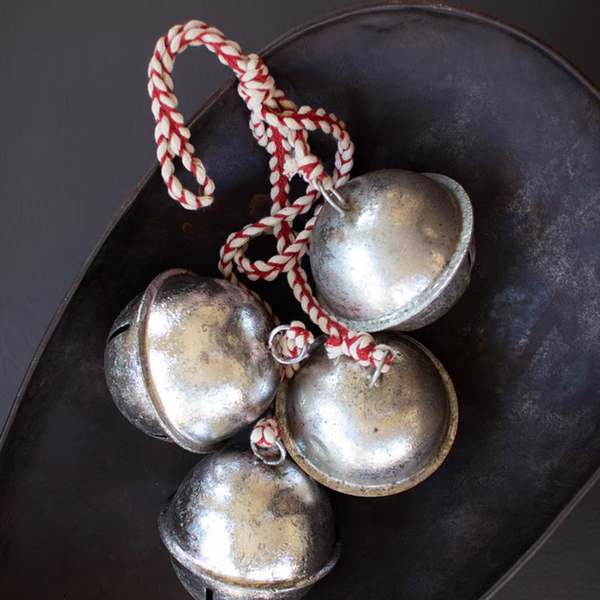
(426, 89)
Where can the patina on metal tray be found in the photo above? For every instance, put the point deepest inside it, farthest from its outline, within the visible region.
(428, 88)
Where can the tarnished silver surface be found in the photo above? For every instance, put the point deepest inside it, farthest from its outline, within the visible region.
(369, 441)
(400, 254)
(248, 531)
(188, 360)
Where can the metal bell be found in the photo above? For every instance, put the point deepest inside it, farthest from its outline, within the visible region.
(393, 249)
(238, 529)
(364, 439)
(188, 360)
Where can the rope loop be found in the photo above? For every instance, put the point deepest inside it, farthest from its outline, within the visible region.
(282, 129)
(267, 104)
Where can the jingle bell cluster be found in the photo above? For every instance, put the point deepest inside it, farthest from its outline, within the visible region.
(195, 360)
(188, 361)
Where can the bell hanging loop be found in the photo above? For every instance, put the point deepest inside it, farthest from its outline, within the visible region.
(277, 356)
(272, 460)
(332, 197)
(379, 368)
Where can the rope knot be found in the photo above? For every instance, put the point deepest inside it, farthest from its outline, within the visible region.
(265, 441)
(297, 337)
(266, 432)
(360, 347)
(290, 165)
(256, 86)
(294, 341)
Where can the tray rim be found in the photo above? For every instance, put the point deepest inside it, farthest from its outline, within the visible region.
(280, 41)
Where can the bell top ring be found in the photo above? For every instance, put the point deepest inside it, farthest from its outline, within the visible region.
(393, 249)
(188, 361)
(363, 439)
(247, 531)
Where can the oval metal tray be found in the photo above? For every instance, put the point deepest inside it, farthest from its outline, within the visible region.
(423, 87)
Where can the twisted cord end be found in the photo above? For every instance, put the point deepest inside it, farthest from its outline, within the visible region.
(362, 348)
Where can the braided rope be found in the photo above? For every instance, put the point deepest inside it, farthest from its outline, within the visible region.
(266, 432)
(282, 129)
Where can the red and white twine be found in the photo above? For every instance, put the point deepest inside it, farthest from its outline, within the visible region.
(282, 129)
(266, 432)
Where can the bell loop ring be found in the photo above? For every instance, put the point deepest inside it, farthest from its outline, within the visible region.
(264, 456)
(333, 197)
(379, 368)
(282, 359)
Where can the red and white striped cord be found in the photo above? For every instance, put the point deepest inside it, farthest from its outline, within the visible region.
(266, 441)
(282, 129)
(266, 432)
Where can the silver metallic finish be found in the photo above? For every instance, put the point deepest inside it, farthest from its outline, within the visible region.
(399, 256)
(333, 197)
(274, 458)
(282, 359)
(369, 441)
(188, 360)
(249, 531)
(379, 368)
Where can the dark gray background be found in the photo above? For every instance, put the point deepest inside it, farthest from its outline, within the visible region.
(77, 135)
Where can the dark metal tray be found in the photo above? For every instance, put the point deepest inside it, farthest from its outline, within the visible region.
(423, 87)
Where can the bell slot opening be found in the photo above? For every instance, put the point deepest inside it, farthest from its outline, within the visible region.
(470, 258)
(118, 331)
(209, 594)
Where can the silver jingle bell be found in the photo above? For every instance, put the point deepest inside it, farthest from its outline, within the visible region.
(238, 529)
(188, 360)
(369, 441)
(398, 251)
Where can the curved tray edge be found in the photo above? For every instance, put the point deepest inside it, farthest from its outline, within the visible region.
(277, 43)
